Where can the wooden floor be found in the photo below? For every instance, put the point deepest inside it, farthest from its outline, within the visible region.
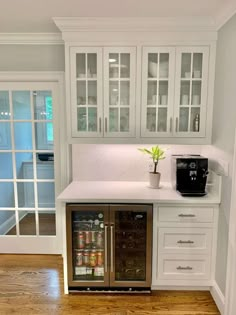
(33, 284)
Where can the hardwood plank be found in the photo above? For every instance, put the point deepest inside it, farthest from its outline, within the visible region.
(33, 285)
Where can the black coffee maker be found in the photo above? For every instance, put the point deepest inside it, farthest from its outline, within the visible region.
(189, 174)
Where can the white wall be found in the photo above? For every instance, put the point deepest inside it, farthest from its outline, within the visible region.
(224, 123)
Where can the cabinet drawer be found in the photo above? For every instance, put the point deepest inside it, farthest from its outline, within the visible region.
(186, 214)
(183, 267)
(184, 240)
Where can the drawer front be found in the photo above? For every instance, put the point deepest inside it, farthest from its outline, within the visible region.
(185, 240)
(186, 214)
(184, 267)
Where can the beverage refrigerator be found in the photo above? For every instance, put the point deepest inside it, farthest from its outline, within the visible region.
(109, 247)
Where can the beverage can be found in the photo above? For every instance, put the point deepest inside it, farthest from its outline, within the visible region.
(93, 258)
(86, 258)
(99, 258)
(79, 259)
(81, 241)
(99, 240)
(87, 237)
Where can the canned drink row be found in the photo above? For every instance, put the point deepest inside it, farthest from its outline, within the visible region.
(87, 239)
(89, 258)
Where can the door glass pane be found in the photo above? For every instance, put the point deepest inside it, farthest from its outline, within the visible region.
(5, 136)
(23, 135)
(162, 120)
(8, 222)
(130, 245)
(44, 135)
(92, 66)
(197, 65)
(6, 166)
(81, 93)
(45, 170)
(21, 105)
(183, 119)
(4, 105)
(113, 92)
(82, 119)
(7, 195)
(186, 65)
(88, 241)
(124, 119)
(151, 119)
(92, 119)
(24, 165)
(113, 120)
(124, 92)
(92, 92)
(25, 194)
(42, 105)
(164, 65)
(47, 222)
(46, 195)
(152, 65)
(152, 98)
(185, 93)
(124, 65)
(80, 65)
(163, 92)
(113, 65)
(27, 223)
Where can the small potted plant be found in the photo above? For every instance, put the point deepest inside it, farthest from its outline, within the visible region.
(156, 153)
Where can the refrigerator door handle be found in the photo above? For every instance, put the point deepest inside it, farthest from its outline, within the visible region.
(112, 229)
(105, 248)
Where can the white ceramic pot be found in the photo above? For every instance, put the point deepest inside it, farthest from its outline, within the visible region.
(154, 179)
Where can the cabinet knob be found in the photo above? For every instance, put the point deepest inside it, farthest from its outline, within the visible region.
(100, 124)
(105, 124)
(176, 124)
(171, 124)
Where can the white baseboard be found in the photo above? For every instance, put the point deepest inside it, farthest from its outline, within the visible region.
(218, 297)
(180, 287)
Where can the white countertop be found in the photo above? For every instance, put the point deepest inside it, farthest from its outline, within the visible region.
(128, 192)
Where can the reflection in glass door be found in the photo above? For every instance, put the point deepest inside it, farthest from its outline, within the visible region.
(27, 182)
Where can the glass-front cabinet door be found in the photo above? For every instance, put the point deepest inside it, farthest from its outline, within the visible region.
(157, 91)
(86, 91)
(191, 91)
(119, 91)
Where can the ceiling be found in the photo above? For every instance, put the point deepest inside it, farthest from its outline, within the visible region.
(29, 16)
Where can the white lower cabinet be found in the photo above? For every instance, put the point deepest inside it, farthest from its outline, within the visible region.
(184, 245)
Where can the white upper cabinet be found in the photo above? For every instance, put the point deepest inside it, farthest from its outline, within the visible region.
(102, 91)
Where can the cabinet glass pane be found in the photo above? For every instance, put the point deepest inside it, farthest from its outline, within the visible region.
(164, 65)
(5, 136)
(81, 92)
(195, 119)
(42, 101)
(24, 165)
(25, 193)
(124, 65)
(113, 92)
(152, 65)
(4, 106)
(197, 65)
(163, 93)
(113, 120)
(151, 119)
(6, 166)
(46, 195)
(27, 223)
(92, 92)
(124, 119)
(80, 65)
(185, 93)
(130, 245)
(152, 98)
(186, 65)
(7, 195)
(162, 120)
(183, 119)
(92, 119)
(88, 241)
(196, 92)
(113, 65)
(47, 223)
(21, 105)
(124, 93)
(5, 216)
(82, 119)
(23, 135)
(92, 66)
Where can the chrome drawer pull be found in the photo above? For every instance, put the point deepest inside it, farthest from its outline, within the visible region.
(185, 242)
(187, 215)
(184, 268)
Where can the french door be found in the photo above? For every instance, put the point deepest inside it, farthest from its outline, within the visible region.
(28, 181)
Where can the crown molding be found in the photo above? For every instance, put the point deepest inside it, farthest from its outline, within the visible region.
(31, 39)
(225, 15)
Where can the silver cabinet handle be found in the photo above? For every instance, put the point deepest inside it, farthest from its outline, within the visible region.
(105, 248)
(184, 268)
(186, 215)
(105, 124)
(171, 124)
(185, 242)
(111, 248)
(100, 124)
(176, 124)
